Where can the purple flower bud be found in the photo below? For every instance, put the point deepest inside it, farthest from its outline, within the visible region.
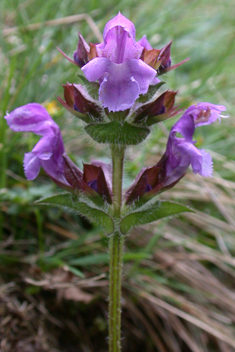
(157, 110)
(122, 75)
(159, 59)
(48, 151)
(179, 155)
(93, 181)
(78, 101)
(80, 56)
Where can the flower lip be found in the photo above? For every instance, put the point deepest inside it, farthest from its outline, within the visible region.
(120, 84)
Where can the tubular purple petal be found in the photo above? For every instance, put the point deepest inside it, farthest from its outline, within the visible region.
(30, 118)
(48, 151)
(181, 152)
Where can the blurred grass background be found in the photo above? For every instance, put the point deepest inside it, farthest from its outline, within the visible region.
(179, 274)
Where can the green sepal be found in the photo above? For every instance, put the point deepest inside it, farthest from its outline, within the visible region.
(116, 133)
(85, 118)
(92, 87)
(71, 202)
(144, 98)
(153, 212)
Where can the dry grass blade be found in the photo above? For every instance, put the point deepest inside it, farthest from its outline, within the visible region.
(59, 22)
(188, 317)
(137, 313)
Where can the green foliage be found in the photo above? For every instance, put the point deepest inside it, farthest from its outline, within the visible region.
(73, 203)
(151, 213)
(116, 133)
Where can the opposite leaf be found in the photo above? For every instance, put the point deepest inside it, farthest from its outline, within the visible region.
(156, 211)
(66, 201)
(115, 133)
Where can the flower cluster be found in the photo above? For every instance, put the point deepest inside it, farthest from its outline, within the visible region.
(123, 70)
(49, 153)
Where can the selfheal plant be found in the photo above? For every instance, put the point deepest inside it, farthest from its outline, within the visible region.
(118, 103)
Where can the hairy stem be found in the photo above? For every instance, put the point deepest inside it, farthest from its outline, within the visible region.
(116, 253)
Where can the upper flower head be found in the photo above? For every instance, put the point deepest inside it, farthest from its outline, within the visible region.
(123, 76)
(124, 67)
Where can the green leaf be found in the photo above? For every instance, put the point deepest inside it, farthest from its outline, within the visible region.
(154, 212)
(75, 271)
(144, 98)
(103, 258)
(115, 133)
(68, 201)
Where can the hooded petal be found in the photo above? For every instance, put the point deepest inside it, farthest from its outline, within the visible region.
(120, 21)
(31, 118)
(119, 41)
(205, 113)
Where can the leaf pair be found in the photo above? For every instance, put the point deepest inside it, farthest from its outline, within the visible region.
(151, 213)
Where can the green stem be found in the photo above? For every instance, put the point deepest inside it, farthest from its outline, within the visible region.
(116, 254)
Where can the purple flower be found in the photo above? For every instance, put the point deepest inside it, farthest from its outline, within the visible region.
(179, 155)
(48, 151)
(50, 154)
(123, 76)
